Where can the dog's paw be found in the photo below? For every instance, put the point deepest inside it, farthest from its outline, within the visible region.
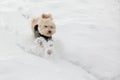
(49, 53)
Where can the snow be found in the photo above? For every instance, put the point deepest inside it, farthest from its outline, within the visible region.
(86, 44)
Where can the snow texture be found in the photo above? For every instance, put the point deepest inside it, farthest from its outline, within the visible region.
(86, 45)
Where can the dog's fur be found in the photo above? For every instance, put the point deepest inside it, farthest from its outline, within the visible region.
(43, 26)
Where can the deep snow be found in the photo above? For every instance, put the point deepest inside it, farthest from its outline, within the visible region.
(87, 40)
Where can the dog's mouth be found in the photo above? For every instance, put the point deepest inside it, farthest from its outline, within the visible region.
(49, 34)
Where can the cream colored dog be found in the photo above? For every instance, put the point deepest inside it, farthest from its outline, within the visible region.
(43, 26)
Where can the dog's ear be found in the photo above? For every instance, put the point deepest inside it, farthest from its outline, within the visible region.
(47, 16)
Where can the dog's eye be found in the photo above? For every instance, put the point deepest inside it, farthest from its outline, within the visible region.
(51, 27)
(45, 26)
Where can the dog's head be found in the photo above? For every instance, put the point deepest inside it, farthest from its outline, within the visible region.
(46, 25)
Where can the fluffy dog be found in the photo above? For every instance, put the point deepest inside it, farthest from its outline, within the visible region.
(43, 26)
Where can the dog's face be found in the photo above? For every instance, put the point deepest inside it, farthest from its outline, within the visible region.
(46, 25)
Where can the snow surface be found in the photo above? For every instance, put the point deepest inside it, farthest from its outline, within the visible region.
(87, 42)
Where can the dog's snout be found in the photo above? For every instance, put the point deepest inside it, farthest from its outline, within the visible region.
(49, 31)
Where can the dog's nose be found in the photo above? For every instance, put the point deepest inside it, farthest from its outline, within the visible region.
(49, 31)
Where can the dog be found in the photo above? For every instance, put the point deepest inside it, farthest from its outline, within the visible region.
(43, 26)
